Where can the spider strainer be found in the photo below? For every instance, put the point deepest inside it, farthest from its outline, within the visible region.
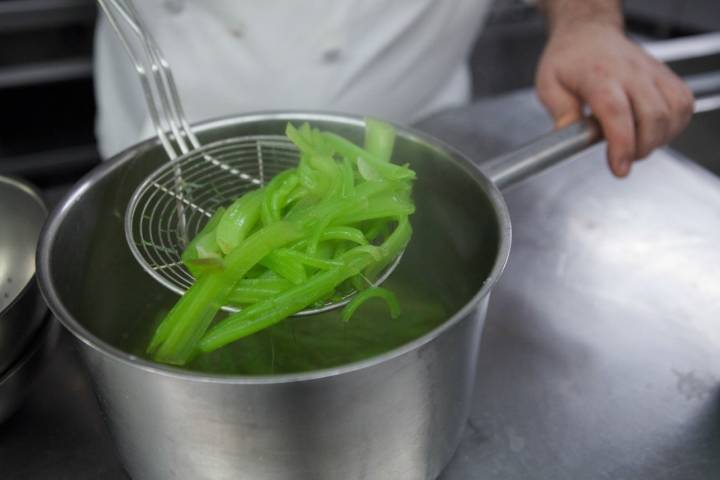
(172, 205)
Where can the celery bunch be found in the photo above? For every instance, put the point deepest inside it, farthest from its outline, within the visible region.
(310, 235)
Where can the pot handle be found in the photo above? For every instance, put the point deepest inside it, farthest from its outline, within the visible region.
(543, 153)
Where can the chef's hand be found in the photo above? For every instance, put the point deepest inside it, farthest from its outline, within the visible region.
(638, 101)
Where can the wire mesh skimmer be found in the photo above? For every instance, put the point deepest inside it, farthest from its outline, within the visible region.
(174, 202)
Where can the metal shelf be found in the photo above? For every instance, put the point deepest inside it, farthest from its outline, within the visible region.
(51, 161)
(685, 48)
(31, 14)
(45, 72)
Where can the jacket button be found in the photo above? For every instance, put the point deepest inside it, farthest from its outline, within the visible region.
(174, 6)
(237, 31)
(332, 55)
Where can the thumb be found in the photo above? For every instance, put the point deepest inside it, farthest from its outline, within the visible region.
(560, 102)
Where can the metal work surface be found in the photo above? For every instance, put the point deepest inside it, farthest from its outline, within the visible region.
(601, 352)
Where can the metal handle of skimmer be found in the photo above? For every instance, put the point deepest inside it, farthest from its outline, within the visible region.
(156, 79)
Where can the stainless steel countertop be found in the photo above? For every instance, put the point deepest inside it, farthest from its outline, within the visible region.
(601, 353)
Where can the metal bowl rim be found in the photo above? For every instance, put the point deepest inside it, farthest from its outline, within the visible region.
(32, 193)
(39, 339)
(84, 335)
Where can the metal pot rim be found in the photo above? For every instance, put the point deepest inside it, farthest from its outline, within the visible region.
(91, 340)
(34, 194)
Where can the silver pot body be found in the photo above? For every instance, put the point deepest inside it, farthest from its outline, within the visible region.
(401, 419)
(397, 415)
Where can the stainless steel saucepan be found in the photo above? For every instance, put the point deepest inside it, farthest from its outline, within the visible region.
(397, 415)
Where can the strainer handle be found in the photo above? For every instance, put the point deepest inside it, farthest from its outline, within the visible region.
(156, 79)
(543, 153)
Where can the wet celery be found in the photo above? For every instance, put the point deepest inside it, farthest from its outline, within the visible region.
(334, 221)
(379, 139)
(238, 220)
(177, 336)
(367, 294)
(270, 311)
(204, 245)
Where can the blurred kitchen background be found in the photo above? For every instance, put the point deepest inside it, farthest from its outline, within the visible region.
(46, 91)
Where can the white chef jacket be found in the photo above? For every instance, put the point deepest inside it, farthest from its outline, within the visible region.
(393, 59)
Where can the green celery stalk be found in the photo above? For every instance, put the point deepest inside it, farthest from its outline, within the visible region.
(336, 234)
(284, 266)
(392, 246)
(297, 194)
(268, 312)
(258, 245)
(299, 139)
(325, 250)
(373, 188)
(275, 193)
(379, 139)
(252, 290)
(317, 232)
(376, 229)
(204, 244)
(279, 200)
(310, 260)
(193, 296)
(383, 169)
(340, 248)
(244, 295)
(349, 234)
(383, 206)
(348, 177)
(238, 220)
(187, 322)
(266, 282)
(365, 295)
(189, 319)
(310, 216)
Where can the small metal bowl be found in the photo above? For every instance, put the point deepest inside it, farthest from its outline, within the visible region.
(22, 215)
(17, 380)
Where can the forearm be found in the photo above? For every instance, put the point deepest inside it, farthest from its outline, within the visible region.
(562, 14)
